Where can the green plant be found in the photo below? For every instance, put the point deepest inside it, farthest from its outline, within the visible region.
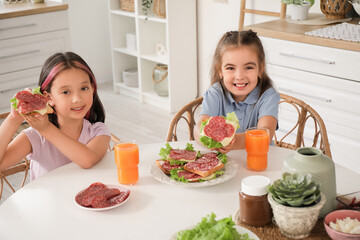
(295, 190)
(146, 5)
(298, 2)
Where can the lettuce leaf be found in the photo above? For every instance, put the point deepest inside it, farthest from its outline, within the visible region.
(14, 103)
(209, 228)
(189, 147)
(174, 175)
(209, 142)
(177, 162)
(164, 152)
(233, 118)
(222, 157)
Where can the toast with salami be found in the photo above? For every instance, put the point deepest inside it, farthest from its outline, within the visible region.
(206, 165)
(219, 131)
(30, 101)
(178, 156)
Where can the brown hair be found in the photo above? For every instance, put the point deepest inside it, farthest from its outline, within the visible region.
(235, 39)
(62, 61)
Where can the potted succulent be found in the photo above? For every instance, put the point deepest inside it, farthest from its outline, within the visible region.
(298, 9)
(296, 201)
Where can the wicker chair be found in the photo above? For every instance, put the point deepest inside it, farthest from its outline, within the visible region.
(308, 123)
(186, 113)
(24, 166)
(301, 111)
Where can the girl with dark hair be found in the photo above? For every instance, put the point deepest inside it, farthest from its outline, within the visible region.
(240, 84)
(74, 132)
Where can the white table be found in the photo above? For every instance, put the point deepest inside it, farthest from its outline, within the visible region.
(45, 208)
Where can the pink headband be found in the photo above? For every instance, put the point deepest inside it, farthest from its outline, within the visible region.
(60, 67)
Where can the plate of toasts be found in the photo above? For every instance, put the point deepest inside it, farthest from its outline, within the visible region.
(190, 168)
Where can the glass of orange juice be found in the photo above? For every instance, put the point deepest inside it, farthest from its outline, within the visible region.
(127, 160)
(257, 142)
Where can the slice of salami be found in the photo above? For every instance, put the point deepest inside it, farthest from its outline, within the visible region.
(168, 167)
(119, 198)
(202, 164)
(210, 155)
(218, 129)
(23, 96)
(91, 189)
(188, 175)
(96, 199)
(178, 154)
(29, 102)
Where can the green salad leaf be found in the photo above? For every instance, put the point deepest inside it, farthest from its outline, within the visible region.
(164, 152)
(174, 175)
(176, 162)
(209, 228)
(209, 142)
(223, 158)
(189, 147)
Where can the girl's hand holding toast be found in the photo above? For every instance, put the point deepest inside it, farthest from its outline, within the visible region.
(38, 121)
(227, 148)
(15, 117)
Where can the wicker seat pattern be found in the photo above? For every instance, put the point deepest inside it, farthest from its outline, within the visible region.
(23, 166)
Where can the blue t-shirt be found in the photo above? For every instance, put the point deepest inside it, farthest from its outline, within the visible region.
(218, 102)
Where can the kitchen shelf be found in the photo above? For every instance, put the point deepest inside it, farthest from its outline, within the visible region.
(175, 33)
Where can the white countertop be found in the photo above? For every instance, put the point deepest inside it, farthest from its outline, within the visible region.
(45, 208)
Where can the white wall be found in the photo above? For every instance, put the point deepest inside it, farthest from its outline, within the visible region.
(215, 17)
(90, 36)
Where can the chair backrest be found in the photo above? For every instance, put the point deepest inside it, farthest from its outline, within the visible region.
(186, 113)
(243, 10)
(304, 126)
(299, 120)
(23, 166)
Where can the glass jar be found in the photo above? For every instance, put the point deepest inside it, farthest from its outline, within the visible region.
(160, 80)
(255, 209)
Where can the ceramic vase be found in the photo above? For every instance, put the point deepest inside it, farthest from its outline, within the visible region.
(299, 12)
(311, 160)
(296, 222)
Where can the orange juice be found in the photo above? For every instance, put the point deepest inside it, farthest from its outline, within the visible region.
(127, 160)
(257, 142)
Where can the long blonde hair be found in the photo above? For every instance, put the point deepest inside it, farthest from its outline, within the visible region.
(235, 39)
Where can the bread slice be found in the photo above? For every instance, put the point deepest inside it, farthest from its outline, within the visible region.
(197, 167)
(193, 178)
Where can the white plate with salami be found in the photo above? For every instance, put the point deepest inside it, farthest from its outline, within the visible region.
(230, 170)
(239, 229)
(101, 197)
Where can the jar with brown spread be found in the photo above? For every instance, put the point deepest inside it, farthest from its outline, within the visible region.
(255, 209)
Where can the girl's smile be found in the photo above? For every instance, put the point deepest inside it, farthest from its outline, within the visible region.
(240, 71)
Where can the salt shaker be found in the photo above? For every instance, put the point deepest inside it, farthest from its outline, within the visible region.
(255, 209)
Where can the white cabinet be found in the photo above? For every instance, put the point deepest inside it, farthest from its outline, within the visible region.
(176, 32)
(25, 43)
(328, 80)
